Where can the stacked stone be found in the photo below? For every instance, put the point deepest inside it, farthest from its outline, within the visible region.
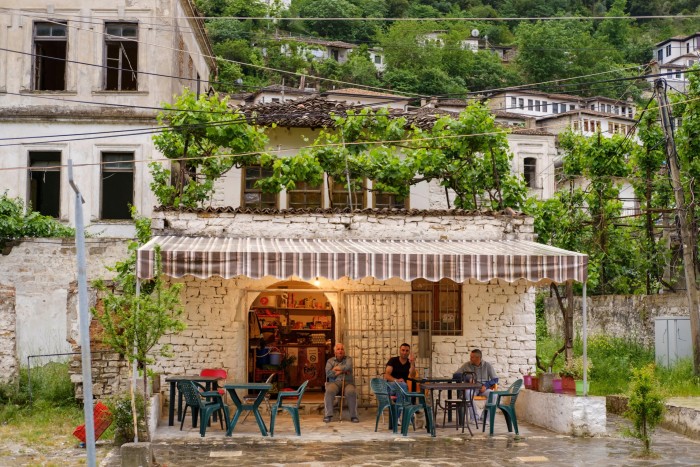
(8, 340)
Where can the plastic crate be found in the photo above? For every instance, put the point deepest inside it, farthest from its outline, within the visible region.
(102, 418)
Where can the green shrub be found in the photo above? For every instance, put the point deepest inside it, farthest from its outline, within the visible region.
(646, 405)
(122, 418)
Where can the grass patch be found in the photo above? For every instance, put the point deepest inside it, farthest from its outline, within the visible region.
(614, 359)
(41, 432)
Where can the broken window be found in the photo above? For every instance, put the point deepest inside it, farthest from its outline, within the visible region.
(121, 56)
(45, 182)
(530, 172)
(305, 195)
(254, 197)
(117, 184)
(50, 53)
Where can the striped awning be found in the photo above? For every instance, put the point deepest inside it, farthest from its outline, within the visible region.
(510, 260)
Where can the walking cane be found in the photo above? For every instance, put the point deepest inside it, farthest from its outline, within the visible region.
(342, 393)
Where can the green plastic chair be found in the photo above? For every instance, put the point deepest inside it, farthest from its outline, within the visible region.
(508, 409)
(409, 408)
(293, 409)
(381, 391)
(204, 404)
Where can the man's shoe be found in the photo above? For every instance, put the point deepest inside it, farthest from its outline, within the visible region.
(355, 420)
(327, 419)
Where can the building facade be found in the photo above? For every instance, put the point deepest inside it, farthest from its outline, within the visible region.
(84, 82)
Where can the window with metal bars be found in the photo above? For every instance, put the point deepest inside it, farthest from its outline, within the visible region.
(446, 307)
(121, 57)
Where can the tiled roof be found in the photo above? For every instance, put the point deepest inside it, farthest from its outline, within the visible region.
(310, 40)
(363, 92)
(315, 112)
(404, 212)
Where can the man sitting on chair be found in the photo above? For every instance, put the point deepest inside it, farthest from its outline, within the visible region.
(398, 370)
(339, 380)
(484, 372)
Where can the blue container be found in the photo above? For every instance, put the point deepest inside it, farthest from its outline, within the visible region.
(263, 357)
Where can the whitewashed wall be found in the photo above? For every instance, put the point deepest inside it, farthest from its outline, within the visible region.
(43, 274)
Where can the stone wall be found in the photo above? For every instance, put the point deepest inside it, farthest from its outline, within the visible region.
(626, 316)
(499, 319)
(423, 225)
(40, 315)
(8, 342)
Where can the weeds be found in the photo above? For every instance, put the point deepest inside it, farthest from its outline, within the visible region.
(614, 360)
(51, 388)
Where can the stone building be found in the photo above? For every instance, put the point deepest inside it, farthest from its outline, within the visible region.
(444, 281)
(84, 80)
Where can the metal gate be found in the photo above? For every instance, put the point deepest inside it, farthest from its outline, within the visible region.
(375, 324)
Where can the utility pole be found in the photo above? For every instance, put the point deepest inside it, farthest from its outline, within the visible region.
(86, 360)
(687, 236)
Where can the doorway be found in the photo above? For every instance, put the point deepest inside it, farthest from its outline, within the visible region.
(291, 333)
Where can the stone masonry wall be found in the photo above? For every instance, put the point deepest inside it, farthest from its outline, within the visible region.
(499, 319)
(43, 317)
(8, 342)
(423, 225)
(627, 316)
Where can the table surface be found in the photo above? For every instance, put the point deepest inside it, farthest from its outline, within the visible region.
(254, 386)
(202, 379)
(446, 386)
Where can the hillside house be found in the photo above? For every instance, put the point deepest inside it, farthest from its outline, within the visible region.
(86, 84)
(674, 56)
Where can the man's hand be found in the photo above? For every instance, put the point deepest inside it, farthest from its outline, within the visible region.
(337, 370)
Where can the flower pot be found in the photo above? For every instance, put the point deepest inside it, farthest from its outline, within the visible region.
(568, 384)
(556, 386)
(535, 383)
(546, 382)
(579, 387)
(527, 381)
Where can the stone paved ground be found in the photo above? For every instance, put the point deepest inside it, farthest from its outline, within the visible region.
(345, 444)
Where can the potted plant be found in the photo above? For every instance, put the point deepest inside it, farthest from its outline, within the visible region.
(574, 370)
(536, 381)
(527, 378)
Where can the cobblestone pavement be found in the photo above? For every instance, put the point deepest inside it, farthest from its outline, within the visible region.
(346, 444)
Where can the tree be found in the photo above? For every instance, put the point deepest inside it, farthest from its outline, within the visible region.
(16, 222)
(468, 156)
(646, 405)
(205, 139)
(134, 322)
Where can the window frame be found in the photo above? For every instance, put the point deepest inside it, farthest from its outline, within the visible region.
(262, 204)
(108, 70)
(40, 57)
(445, 311)
(50, 167)
(333, 190)
(530, 172)
(305, 190)
(114, 168)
